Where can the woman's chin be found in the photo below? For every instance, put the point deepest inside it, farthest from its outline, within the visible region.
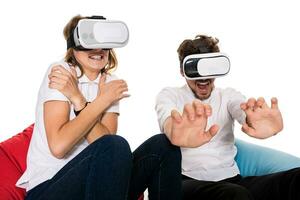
(95, 67)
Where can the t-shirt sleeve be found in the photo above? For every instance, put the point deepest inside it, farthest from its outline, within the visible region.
(48, 94)
(114, 108)
(233, 106)
(165, 103)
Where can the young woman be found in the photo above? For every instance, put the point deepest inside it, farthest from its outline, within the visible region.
(74, 151)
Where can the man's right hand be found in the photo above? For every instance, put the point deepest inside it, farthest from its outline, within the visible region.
(189, 129)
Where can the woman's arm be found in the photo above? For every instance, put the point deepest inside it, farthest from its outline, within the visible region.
(108, 124)
(62, 133)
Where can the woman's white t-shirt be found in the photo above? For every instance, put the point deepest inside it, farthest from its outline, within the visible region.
(41, 164)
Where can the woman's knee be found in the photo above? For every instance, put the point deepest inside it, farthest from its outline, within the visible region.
(113, 144)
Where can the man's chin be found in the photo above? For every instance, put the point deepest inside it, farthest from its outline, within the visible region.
(203, 96)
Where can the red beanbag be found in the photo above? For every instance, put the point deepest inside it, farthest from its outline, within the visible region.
(13, 154)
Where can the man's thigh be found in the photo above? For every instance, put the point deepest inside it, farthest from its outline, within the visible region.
(222, 190)
(277, 186)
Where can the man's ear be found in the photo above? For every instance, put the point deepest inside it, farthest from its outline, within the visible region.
(181, 71)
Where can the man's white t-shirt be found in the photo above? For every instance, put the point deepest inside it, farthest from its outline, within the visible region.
(214, 160)
(41, 164)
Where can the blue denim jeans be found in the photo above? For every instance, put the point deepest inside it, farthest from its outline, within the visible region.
(107, 170)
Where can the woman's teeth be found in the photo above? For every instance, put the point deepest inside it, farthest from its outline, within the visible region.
(96, 57)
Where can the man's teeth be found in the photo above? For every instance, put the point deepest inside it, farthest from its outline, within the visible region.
(203, 83)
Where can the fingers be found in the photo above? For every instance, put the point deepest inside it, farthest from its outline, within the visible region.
(102, 79)
(126, 95)
(57, 75)
(251, 103)
(73, 72)
(208, 110)
(60, 69)
(202, 109)
(61, 73)
(189, 112)
(121, 86)
(57, 80)
(115, 90)
(248, 107)
(243, 106)
(248, 130)
(176, 116)
(118, 82)
(199, 108)
(122, 91)
(212, 131)
(54, 85)
(274, 103)
(261, 103)
(196, 109)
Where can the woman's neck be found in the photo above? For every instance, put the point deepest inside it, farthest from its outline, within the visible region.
(91, 74)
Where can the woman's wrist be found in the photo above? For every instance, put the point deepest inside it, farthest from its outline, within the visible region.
(79, 102)
(76, 112)
(101, 99)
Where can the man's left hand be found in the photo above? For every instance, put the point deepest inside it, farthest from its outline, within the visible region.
(261, 120)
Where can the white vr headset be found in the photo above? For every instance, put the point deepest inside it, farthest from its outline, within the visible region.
(98, 33)
(205, 66)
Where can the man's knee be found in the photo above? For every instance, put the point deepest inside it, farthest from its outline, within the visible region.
(162, 144)
(235, 192)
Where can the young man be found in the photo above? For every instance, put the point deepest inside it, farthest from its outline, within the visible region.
(208, 166)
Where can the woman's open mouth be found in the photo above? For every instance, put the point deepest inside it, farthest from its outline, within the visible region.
(96, 57)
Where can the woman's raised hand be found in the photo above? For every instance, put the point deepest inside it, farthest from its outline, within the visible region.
(112, 91)
(67, 83)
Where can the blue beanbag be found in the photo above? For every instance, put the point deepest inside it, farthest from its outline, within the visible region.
(255, 160)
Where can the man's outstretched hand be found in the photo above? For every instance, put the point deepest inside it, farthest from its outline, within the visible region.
(189, 129)
(262, 121)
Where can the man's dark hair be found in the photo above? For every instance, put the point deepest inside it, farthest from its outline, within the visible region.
(201, 44)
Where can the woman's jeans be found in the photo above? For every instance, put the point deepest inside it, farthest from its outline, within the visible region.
(107, 170)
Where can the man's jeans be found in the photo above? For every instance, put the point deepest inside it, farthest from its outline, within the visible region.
(107, 170)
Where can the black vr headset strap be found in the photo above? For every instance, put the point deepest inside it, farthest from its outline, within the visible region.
(70, 41)
(96, 17)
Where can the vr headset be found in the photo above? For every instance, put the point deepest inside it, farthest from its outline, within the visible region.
(98, 33)
(205, 66)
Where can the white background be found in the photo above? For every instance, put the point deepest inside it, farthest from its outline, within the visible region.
(261, 38)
